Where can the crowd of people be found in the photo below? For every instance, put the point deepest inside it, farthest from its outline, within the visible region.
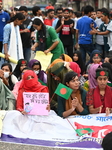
(81, 44)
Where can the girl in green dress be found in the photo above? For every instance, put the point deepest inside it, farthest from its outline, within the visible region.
(47, 40)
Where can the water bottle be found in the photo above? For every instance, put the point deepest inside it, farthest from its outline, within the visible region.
(29, 26)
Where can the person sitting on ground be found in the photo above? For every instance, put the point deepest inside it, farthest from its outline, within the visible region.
(29, 84)
(22, 63)
(36, 66)
(7, 77)
(99, 99)
(76, 104)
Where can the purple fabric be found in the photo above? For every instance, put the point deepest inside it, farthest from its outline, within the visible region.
(41, 72)
(82, 144)
(92, 75)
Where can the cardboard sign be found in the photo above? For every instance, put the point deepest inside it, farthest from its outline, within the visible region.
(36, 103)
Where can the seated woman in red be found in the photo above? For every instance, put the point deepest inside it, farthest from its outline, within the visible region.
(29, 84)
(99, 99)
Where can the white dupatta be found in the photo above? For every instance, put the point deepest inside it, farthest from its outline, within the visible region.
(14, 51)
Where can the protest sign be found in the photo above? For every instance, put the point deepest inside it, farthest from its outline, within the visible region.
(36, 103)
(44, 59)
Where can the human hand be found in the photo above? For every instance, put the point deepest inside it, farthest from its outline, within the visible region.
(48, 107)
(100, 109)
(62, 21)
(7, 56)
(46, 51)
(1, 74)
(33, 48)
(76, 46)
(26, 30)
(71, 25)
(75, 102)
(94, 31)
(108, 111)
(24, 112)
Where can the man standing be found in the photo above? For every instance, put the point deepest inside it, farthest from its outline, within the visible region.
(83, 37)
(65, 29)
(59, 13)
(26, 29)
(4, 18)
(50, 17)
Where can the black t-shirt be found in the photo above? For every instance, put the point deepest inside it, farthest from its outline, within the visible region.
(26, 37)
(65, 33)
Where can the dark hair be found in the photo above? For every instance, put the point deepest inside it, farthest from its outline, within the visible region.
(105, 11)
(59, 9)
(101, 69)
(7, 64)
(110, 60)
(69, 76)
(50, 10)
(38, 22)
(71, 11)
(26, 68)
(109, 67)
(37, 63)
(77, 14)
(23, 8)
(35, 9)
(80, 61)
(99, 10)
(66, 9)
(16, 9)
(18, 16)
(107, 142)
(88, 9)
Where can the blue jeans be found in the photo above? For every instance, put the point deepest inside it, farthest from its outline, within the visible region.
(86, 48)
(27, 53)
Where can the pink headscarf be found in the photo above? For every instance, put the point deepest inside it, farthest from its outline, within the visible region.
(75, 67)
(92, 76)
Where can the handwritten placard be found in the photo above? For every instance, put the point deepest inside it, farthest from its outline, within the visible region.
(36, 103)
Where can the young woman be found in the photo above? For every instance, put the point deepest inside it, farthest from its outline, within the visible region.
(29, 84)
(22, 63)
(76, 104)
(36, 66)
(77, 57)
(12, 41)
(7, 77)
(47, 40)
(99, 99)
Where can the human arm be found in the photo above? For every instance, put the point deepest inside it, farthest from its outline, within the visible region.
(77, 35)
(54, 38)
(93, 110)
(59, 25)
(33, 48)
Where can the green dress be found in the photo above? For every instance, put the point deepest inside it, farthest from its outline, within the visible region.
(51, 37)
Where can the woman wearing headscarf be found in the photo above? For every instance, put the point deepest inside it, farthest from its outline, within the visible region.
(22, 63)
(77, 57)
(47, 40)
(29, 84)
(36, 66)
(99, 99)
(62, 58)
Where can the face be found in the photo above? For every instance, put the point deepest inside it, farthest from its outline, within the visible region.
(59, 13)
(93, 15)
(40, 12)
(74, 83)
(36, 67)
(24, 13)
(75, 57)
(6, 69)
(66, 14)
(29, 77)
(102, 81)
(103, 17)
(51, 14)
(22, 66)
(0, 6)
(99, 13)
(56, 77)
(37, 27)
(96, 59)
(18, 22)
